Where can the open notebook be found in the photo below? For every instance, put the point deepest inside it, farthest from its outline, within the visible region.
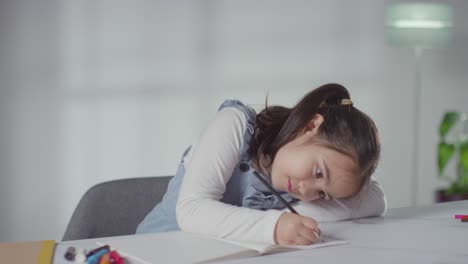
(184, 247)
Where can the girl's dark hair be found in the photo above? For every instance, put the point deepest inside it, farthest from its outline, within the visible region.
(345, 128)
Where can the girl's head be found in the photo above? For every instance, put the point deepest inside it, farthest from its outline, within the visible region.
(322, 148)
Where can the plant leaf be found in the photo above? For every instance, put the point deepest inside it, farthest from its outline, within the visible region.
(449, 120)
(444, 154)
(464, 155)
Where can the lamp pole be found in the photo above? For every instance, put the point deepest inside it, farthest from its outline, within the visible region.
(417, 123)
(418, 25)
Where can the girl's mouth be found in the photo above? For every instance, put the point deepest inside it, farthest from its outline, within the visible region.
(289, 185)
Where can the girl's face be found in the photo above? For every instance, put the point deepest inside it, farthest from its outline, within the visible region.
(310, 171)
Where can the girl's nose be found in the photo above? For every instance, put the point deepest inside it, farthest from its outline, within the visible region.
(305, 187)
(310, 189)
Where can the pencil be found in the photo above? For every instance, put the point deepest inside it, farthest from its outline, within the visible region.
(275, 192)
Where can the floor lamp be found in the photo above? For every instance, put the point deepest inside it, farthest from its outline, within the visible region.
(418, 26)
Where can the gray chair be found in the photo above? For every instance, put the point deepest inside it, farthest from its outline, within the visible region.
(115, 208)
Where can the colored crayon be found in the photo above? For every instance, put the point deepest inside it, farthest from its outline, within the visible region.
(458, 216)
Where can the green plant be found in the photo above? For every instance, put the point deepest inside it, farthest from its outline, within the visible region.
(454, 146)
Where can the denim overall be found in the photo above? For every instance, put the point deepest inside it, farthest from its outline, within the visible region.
(243, 188)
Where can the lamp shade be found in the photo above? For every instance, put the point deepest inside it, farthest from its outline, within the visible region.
(419, 24)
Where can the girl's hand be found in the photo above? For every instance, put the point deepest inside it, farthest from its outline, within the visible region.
(293, 229)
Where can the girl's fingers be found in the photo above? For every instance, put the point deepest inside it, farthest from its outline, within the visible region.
(319, 232)
(309, 222)
(300, 240)
(308, 234)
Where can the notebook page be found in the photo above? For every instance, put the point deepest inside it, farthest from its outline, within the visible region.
(327, 241)
(264, 248)
(177, 247)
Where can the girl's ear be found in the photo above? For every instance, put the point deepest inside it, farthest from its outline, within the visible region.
(314, 124)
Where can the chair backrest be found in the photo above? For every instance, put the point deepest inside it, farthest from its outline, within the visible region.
(115, 208)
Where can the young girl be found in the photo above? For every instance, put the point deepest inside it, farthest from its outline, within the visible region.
(319, 155)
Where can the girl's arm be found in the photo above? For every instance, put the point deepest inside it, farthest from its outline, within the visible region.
(211, 163)
(370, 201)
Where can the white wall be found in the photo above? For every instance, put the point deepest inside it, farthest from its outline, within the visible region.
(99, 90)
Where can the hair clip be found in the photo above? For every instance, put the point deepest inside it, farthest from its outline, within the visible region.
(342, 102)
(346, 102)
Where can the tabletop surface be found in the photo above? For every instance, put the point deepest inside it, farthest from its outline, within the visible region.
(424, 234)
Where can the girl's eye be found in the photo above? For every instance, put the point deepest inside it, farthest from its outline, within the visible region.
(318, 173)
(322, 195)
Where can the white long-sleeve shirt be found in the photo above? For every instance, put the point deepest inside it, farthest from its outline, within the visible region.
(208, 168)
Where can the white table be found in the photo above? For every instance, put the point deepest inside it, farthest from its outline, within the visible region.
(426, 234)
